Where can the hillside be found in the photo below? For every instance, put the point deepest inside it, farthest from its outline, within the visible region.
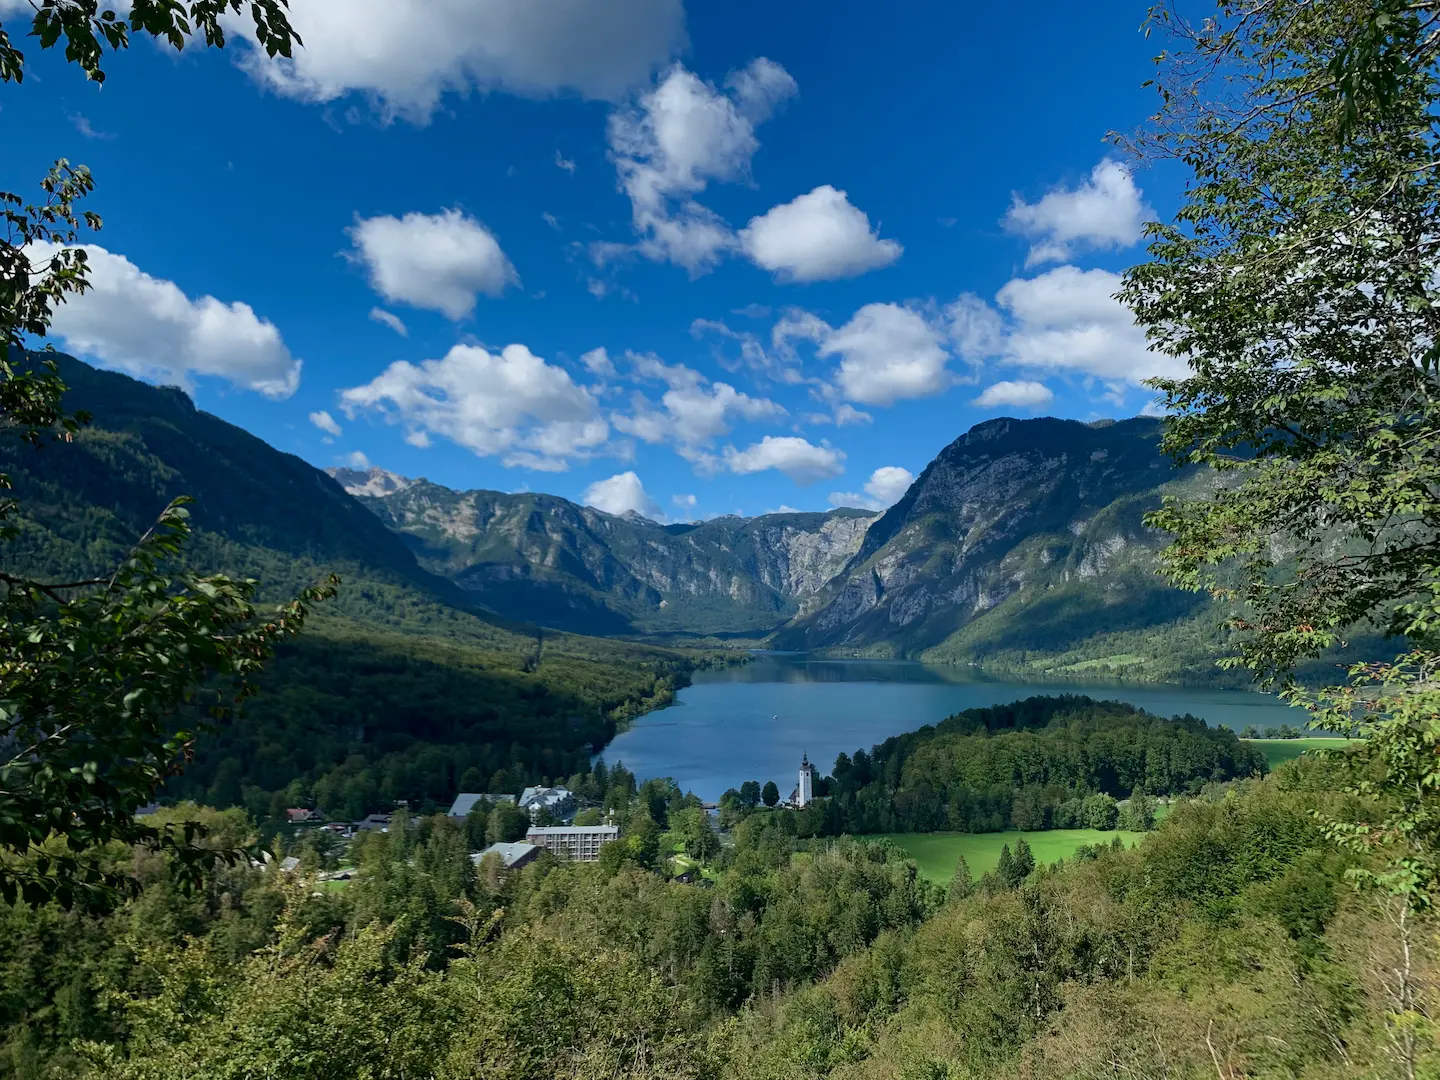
(576, 568)
(1022, 545)
(347, 698)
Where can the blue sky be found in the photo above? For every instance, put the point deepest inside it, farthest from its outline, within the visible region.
(723, 258)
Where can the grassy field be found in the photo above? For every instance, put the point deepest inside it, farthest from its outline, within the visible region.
(1279, 751)
(937, 853)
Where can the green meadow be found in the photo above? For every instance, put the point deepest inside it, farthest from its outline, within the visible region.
(937, 853)
(1279, 751)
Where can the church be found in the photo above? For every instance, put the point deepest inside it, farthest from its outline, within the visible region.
(804, 792)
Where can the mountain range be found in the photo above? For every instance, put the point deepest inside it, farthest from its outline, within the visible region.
(1021, 546)
(576, 568)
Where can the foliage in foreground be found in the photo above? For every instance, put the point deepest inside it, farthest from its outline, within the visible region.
(1298, 285)
(1230, 938)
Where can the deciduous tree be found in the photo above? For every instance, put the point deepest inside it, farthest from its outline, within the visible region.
(105, 682)
(1299, 283)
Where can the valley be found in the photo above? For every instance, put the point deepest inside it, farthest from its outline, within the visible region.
(400, 686)
(333, 745)
(1020, 548)
(492, 637)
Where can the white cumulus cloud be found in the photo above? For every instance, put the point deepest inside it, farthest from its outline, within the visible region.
(406, 54)
(1066, 320)
(799, 459)
(883, 490)
(597, 362)
(846, 415)
(512, 405)
(888, 353)
(816, 237)
(1106, 211)
(1022, 394)
(148, 326)
(326, 423)
(622, 493)
(677, 139)
(439, 262)
(693, 411)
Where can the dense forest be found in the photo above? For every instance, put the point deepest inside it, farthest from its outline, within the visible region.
(1041, 763)
(1229, 931)
(353, 722)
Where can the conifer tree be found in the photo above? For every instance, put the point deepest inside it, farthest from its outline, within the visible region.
(961, 883)
(1005, 871)
(1024, 860)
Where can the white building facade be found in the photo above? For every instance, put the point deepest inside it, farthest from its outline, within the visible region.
(805, 789)
(578, 843)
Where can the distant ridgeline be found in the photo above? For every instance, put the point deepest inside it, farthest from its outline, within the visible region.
(1021, 547)
(1041, 763)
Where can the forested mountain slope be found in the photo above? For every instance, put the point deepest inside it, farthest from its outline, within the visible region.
(1022, 541)
(577, 568)
(397, 642)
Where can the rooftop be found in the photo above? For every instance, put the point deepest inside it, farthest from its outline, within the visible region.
(548, 795)
(466, 800)
(509, 854)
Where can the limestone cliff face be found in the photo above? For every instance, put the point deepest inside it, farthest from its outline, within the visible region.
(545, 559)
(1021, 537)
(368, 481)
(1014, 514)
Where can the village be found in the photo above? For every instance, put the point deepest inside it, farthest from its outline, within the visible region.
(554, 819)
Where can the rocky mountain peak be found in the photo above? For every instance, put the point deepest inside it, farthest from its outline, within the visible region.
(372, 481)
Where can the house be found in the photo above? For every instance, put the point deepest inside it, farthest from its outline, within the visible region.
(559, 802)
(467, 801)
(299, 815)
(578, 843)
(373, 821)
(512, 856)
(289, 864)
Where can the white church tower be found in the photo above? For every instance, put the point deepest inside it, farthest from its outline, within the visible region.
(805, 790)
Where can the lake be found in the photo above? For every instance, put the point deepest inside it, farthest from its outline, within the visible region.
(753, 722)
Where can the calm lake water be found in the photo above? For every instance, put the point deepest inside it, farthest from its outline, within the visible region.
(754, 722)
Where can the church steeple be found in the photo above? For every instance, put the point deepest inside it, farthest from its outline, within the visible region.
(804, 791)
